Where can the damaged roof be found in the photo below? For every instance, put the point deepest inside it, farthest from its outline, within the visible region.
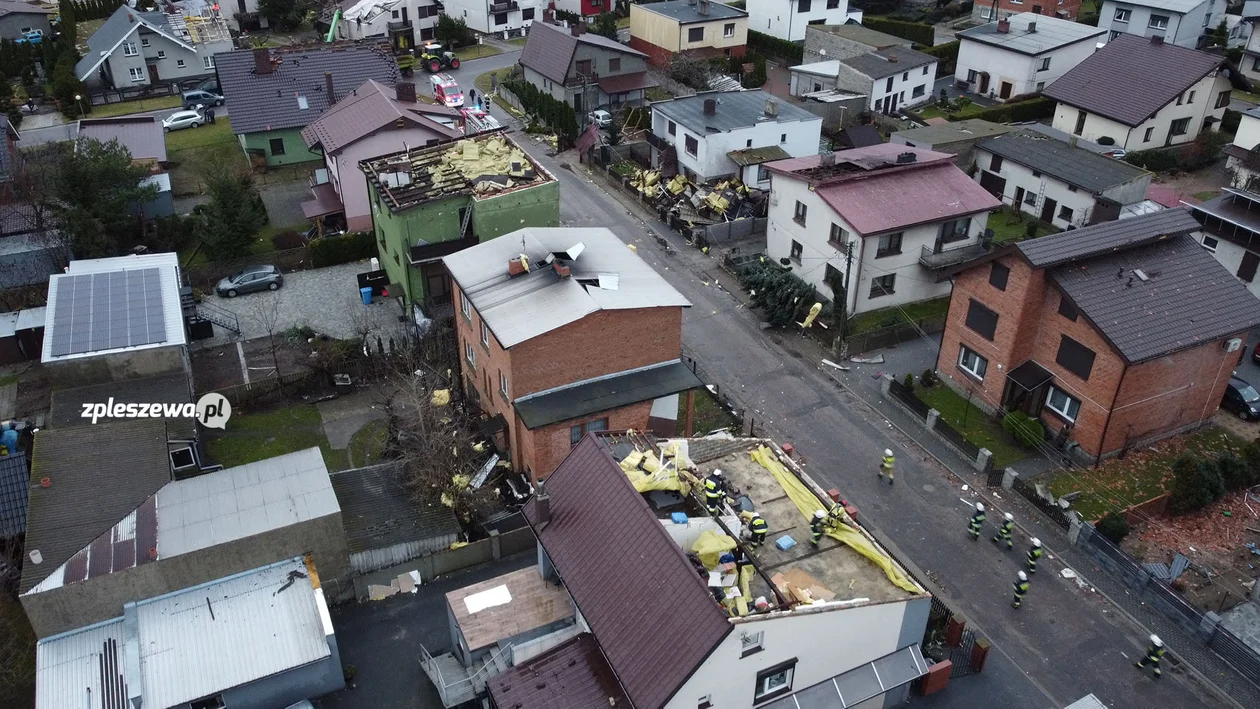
(574, 675)
(734, 110)
(370, 108)
(549, 49)
(606, 275)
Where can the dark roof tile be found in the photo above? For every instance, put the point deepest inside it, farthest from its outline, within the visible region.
(549, 49)
(370, 108)
(14, 488)
(1108, 237)
(378, 512)
(1067, 163)
(574, 675)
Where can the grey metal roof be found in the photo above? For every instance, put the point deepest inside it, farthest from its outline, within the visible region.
(1188, 298)
(1182, 6)
(1051, 33)
(1102, 239)
(10, 7)
(1060, 135)
(67, 404)
(605, 393)
(378, 511)
(890, 61)
(270, 101)
(549, 49)
(735, 109)
(1132, 78)
(142, 136)
(688, 12)
(970, 129)
(97, 475)
(29, 259)
(1074, 166)
(120, 25)
(14, 487)
(523, 307)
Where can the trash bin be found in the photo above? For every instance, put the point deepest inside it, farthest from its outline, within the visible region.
(367, 295)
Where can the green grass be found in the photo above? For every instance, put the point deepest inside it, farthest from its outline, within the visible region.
(519, 41)
(623, 22)
(212, 135)
(143, 105)
(477, 51)
(9, 379)
(482, 82)
(708, 414)
(367, 445)
(1118, 484)
(1206, 195)
(1245, 96)
(257, 436)
(970, 111)
(887, 317)
(978, 428)
(1008, 230)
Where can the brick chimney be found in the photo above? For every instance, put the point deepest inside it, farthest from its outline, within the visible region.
(577, 29)
(1004, 26)
(710, 106)
(262, 61)
(405, 93)
(328, 86)
(562, 269)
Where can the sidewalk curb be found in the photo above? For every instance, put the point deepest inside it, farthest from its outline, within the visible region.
(1059, 557)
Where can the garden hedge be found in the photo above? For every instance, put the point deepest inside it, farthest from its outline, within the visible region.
(913, 31)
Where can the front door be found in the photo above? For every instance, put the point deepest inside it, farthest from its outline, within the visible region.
(1047, 210)
(153, 74)
(436, 287)
(984, 83)
(1005, 92)
(890, 104)
(1019, 197)
(992, 182)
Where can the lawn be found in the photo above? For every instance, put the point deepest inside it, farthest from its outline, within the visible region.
(1141, 475)
(887, 317)
(367, 445)
(970, 111)
(1244, 96)
(708, 415)
(212, 135)
(477, 51)
(144, 105)
(519, 41)
(251, 437)
(1009, 227)
(973, 424)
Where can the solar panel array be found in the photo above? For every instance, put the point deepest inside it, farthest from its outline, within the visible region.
(105, 311)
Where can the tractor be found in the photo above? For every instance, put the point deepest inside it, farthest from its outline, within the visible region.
(434, 59)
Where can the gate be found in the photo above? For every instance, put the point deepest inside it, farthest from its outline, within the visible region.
(995, 475)
(936, 642)
(961, 656)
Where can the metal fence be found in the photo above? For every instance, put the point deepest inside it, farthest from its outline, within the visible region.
(1174, 601)
(1056, 514)
(956, 439)
(1237, 653)
(907, 397)
(893, 334)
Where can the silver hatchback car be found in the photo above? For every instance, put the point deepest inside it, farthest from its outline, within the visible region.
(249, 280)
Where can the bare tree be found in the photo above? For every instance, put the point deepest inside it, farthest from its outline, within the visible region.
(264, 311)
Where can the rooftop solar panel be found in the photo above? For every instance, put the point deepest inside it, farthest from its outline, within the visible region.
(105, 311)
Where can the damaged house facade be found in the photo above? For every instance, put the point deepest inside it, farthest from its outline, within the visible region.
(134, 49)
(432, 202)
(563, 332)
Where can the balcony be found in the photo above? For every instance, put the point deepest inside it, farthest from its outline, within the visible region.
(398, 25)
(504, 6)
(582, 80)
(936, 261)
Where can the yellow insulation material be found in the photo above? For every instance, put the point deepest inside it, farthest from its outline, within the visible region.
(807, 503)
(710, 547)
(647, 473)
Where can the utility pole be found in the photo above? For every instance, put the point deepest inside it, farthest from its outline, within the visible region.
(848, 266)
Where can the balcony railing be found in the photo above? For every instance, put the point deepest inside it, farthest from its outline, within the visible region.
(398, 25)
(581, 79)
(950, 257)
(507, 6)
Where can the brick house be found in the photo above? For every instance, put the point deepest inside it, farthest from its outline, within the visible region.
(1113, 335)
(588, 338)
(1066, 9)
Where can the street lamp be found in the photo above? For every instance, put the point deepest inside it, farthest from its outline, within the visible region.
(78, 99)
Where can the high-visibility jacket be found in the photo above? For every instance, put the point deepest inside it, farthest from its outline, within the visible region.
(888, 462)
(712, 491)
(817, 525)
(1021, 587)
(1005, 531)
(1154, 653)
(758, 525)
(977, 519)
(1034, 554)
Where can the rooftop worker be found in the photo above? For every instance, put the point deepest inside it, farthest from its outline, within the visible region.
(1021, 587)
(1153, 655)
(977, 521)
(9, 439)
(757, 529)
(886, 466)
(714, 492)
(1034, 554)
(1004, 532)
(816, 527)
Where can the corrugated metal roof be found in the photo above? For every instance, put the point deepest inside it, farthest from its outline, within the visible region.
(686, 11)
(889, 61)
(1131, 78)
(370, 108)
(262, 102)
(14, 487)
(526, 306)
(378, 511)
(735, 109)
(1051, 33)
(549, 49)
(651, 613)
(1101, 239)
(1188, 299)
(142, 136)
(82, 669)
(574, 675)
(1067, 163)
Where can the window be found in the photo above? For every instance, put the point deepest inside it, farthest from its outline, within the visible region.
(802, 6)
(1247, 269)
(1030, 197)
(905, 76)
(883, 285)
(919, 91)
(1041, 85)
(998, 276)
(1080, 122)
(775, 681)
(671, 128)
(1114, 34)
(1075, 357)
(526, 13)
(503, 387)
(1065, 213)
(833, 278)
(955, 230)
(485, 333)
(1066, 309)
(470, 354)
(215, 702)
(782, 138)
(692, 145)
(465, 306)
(982, 320)
(833, 4)
(1123, 15)
(179, 63)
(207, 62)
(500, 18)
(576, 432)
(1222, 99)
(695, 34)
(888, 86)
(797, 249)
(762, 173)
(1190, 97)
(1059, 402)
(799, 215)
(144, 41)
(995, 165)
(750, 643)
(972, 75)
(614, 64)
(1158, 22)
(972, 363)
(1210, 243)
(1146, 138)
(1179, 127)
(161, 55)
(728, 30)
(1180, 99)
(889, 245)
(277, 146)
(137, 73)
(1044, 65)
(705, 702)
(129, 49)
(394, 15)
(838, 236)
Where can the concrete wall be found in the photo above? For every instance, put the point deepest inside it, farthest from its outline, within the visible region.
(880, 93)
(14, 24)
(786, 20)
(1041, 187)
(710, 161)
(295, 150)
(1207, 94)
(1022, 71)
(286, 688)
(94, 600)
(1183, 29)
(821, 45)
(115, 367)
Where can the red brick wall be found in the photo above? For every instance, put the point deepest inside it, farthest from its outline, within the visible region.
(657, 55)
(491, 361)
(1069, 8)
(545, 448)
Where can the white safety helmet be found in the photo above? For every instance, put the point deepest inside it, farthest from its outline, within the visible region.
(820, 514)
(717, 472)
(888, 452)
(979, 507)
(1010, 517)
(1023, 576)
(1156, 641)
(1036, 542)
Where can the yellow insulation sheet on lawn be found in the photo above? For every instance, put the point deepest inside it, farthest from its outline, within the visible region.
(807, 503)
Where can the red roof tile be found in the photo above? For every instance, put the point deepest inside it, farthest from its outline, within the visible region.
(652, 615)
(574, 675)
(370, 108)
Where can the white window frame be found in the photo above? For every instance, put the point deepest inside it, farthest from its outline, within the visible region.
(503, 385)
(972, 363)
(763, 690)
(179, 64)
(136, 73)
(161, 54)
(144, 41)
(1062, 412)
(728, 30)
(1155, 25)
(207, 61)
(465, 307)
(485, 333)
(1044, 65)
(470, 354)
(130, 50)
(1211, 248)
(751, 642)
(1123, 15)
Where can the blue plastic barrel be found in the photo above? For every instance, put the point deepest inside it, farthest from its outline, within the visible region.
(367, 295)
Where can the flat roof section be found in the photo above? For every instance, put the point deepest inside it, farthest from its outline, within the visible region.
(492, 611)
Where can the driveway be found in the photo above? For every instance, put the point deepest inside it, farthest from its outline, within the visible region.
(325, 299)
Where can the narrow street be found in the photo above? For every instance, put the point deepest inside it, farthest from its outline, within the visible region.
(1064, 643)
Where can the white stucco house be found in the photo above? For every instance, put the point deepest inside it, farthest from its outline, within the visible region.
(787, 19)
(1231, 233)
(892, 78)
(406, 23)
(1184, 23)
(1250, 64)
(506, 18)
(1243, 163)
(701, 132)
(1141, 93)
(1022, 53)
(905, 214)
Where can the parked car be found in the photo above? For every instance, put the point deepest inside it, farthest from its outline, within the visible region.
(249, 280)
(183, 119)
(1241, 398)
(31, 37)
(1115, 153)
(193, 99)
(211, 85)
(601, 118)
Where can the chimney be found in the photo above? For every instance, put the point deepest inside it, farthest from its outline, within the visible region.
(518, 265)
(405, 93)
(710, 106)
(907, 158)
(577, 28)
(562, 269)
(703, 7)
(542, 507)
(827, 159)
(1032, 27)
(772, 107)
(1004, 26)
(1157, 39)
(262, 61)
